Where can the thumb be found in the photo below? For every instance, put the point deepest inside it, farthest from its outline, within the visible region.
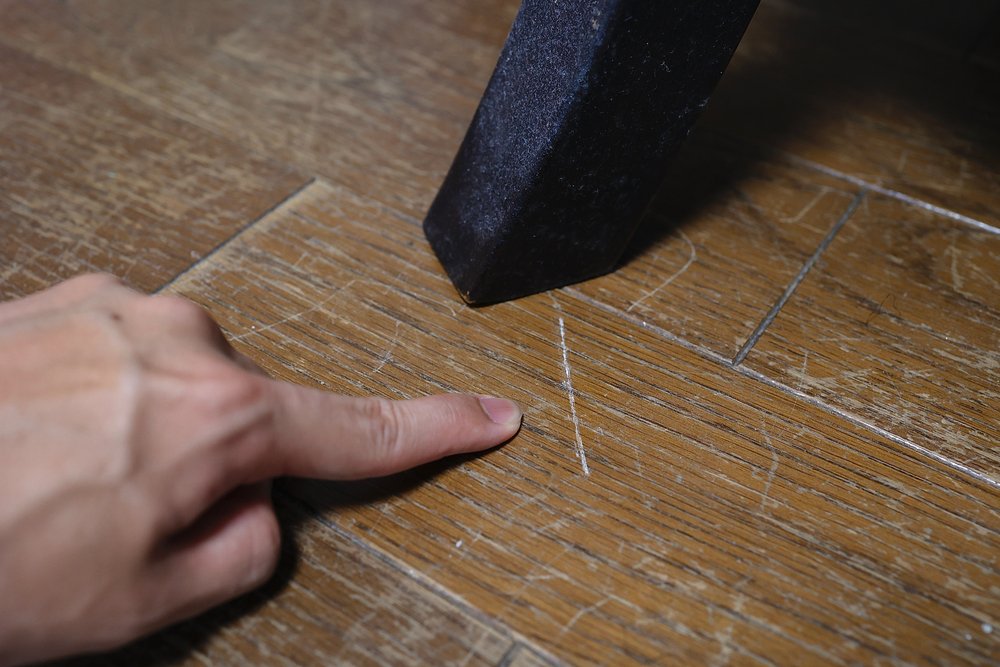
(329, 436)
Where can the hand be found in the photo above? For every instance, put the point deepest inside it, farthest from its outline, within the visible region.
(135, 452)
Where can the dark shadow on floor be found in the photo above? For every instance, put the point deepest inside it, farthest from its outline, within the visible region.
(802, 64)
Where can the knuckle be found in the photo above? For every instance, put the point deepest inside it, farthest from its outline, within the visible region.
(234, 391)
(93, 283)
(242, 388)
(240, 399)
(265, 541)
(385, 424)
(177, 307)
(181, 311)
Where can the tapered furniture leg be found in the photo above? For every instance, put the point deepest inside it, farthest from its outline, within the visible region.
(589, 100)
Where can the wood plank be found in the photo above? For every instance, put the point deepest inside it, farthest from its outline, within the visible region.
(861, 99)
(375, 96)
(729, 230)
(722, 519)
(332, 602)
(523, 656)
(95, 181)
(899, 323)
(899, 108)
(750, 221)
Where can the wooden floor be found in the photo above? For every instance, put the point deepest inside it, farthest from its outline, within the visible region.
(771, 437)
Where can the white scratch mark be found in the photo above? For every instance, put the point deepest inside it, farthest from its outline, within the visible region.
(474, 649)
(580, 614)
(771, 472)
(808, 207)
(296, 316)
(805, 367)
(987, 628)
(901, 164)
(388, 352)
(692, 256)
(300, 259)
(19, 266)
(537, 498)
(725, 638)
(528, 579)
(458, 545)
(382, 511)
(572, 399)
(956, 279)
(444, 303)
(353, 630)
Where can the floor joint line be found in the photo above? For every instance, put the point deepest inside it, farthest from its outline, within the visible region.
(757, 376)
(858, 421)
(418, 577)
(799, 277)
(236, 234)
(769, 152)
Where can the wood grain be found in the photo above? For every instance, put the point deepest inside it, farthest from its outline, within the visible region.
(900, 325)
(659, 505)
(523, 656)
(722, 519)
(306, 85)
(334, 601)
(728, 231)
(897, 109)
(94, 181)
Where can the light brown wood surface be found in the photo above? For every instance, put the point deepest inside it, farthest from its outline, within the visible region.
(92, 180)
(900, 324)
(373, 96)
(720, 517)
(686, 273)
(694, 483)
(333, 601)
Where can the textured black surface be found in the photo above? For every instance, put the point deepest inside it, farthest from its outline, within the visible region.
(589, 100)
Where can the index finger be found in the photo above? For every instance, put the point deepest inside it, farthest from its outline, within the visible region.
(329, 436)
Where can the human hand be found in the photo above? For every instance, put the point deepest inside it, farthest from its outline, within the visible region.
(135, 452)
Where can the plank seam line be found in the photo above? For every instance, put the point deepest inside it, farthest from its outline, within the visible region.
(423, 580)
(799, 277)
(858, 421)
(767, 151)
(663, 333)
(510, 654)
(811, 400)
(287, 199)
(895, 194)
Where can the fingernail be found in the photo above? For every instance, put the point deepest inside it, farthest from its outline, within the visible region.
(500, 410)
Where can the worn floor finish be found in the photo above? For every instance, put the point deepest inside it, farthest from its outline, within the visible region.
(768, 438)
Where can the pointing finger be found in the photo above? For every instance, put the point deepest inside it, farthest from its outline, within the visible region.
(339, 437)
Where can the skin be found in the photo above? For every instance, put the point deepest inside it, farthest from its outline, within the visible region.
(136, 449)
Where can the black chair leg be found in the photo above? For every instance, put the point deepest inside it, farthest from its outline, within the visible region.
(588, 102)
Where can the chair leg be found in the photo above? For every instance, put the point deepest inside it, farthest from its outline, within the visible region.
(588, 102)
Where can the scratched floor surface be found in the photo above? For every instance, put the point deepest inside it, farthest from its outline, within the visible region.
(768, 438)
